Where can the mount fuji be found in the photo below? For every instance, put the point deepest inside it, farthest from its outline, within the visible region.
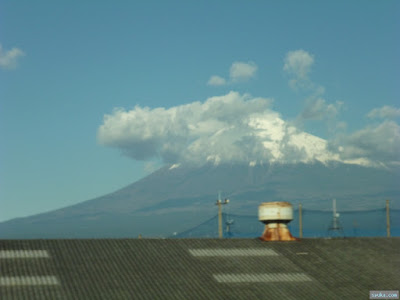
(177, 197)
(234, 144)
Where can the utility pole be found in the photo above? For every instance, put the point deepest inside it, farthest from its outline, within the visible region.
(219, 203)
(300, 221)
(387, 219)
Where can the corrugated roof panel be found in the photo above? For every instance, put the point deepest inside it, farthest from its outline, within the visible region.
(28, 280)
(166, 269)
(233, 252)
(23, 254)
(265, 277)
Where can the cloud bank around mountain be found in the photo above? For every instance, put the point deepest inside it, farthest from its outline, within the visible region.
(378, 143)
(8, 59)
(238, 128)
(385, 112)
(213, 130)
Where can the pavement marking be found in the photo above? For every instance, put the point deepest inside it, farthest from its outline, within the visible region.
(232, 252)
(263, 277)
(28, 280)
(23, 254)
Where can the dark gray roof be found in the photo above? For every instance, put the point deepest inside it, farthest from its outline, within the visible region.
(198, 268)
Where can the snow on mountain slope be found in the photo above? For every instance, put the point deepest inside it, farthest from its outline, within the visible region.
(288, 144)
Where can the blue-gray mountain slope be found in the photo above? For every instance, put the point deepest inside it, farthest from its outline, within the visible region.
(173, 200)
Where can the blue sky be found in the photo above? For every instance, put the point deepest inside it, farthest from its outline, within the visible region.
(64, 66)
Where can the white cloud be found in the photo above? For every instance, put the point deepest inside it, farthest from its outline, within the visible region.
(319, 109)
(239, 71)
(242, 71)
(385, 112)
(188, 132)
(298, 63)
(341, 125)
(228, 128)
(8, 59)
(216, 80)
(379, 144)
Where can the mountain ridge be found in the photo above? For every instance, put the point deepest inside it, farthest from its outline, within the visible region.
(185, 195)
